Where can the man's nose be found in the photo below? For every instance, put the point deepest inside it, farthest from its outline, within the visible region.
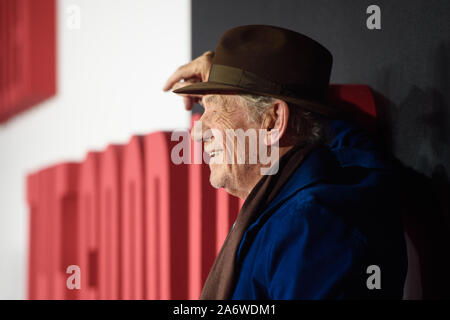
(197, 131)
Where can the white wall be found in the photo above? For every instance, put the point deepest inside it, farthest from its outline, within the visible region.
(110, 75)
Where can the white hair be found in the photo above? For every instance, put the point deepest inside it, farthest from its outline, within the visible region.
(302, 125)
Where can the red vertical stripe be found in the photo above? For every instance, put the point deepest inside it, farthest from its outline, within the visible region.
(3, 48)
(88, 231)
(45, 267)
(132, 226)
(67, 175)
(33, 200)
(56, 285)
(110, 215)
(166, 220)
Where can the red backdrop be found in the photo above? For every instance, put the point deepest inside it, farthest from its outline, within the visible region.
(27, 54)
(124, 216)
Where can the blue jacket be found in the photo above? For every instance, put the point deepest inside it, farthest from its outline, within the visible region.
(336, 216)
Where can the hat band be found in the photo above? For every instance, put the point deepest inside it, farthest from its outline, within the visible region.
(249, 81)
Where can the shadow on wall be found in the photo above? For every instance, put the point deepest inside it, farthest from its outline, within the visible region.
(417, 131)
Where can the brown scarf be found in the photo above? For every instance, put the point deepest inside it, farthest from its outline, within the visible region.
(221, 279)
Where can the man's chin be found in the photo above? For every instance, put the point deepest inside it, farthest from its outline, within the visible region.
(215, 178)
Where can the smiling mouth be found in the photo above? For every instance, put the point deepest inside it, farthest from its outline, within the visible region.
(215, 156)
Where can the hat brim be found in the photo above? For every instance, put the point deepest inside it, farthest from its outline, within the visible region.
(203, 88)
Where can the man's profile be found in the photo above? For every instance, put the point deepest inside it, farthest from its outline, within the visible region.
(330, 213)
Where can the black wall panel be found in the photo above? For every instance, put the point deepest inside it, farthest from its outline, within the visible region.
(406, 63)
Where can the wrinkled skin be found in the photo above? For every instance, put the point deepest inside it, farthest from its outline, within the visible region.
(224, 112)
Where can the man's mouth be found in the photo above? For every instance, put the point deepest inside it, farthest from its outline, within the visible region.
(214, 154)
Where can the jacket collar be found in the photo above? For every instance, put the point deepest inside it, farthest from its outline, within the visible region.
(319, 165)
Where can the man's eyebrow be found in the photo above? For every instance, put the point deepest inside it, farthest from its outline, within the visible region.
(208, 99)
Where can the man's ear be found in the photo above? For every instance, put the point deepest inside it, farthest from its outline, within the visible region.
(276, 122)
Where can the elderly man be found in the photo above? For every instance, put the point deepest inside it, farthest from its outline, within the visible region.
(326, 225)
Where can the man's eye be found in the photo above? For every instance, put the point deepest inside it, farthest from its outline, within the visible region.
(207, 138)
(215, 115)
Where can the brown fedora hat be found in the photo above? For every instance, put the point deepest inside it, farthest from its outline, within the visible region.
(270, 61)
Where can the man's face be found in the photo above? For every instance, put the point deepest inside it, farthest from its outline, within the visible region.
(224, 112)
